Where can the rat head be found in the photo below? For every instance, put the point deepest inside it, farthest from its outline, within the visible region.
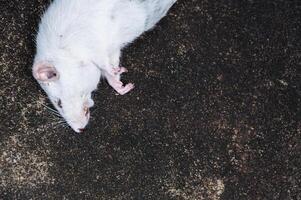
(69, 88)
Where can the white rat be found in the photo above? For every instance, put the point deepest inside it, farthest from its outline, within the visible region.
(80, 41)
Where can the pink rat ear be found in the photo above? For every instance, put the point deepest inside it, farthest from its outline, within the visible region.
(45, 72)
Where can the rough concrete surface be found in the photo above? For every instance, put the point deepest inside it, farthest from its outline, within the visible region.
(215, 113)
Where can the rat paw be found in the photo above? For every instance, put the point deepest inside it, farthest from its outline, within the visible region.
(125, 89)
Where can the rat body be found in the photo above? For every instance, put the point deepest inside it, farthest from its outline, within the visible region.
(80, 41)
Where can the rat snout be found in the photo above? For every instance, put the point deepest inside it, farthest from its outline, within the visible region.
(77, 118)
(80, 123)
(78, 127)
(81, 130)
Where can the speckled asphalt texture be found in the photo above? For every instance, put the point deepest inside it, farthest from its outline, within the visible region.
(215, 113)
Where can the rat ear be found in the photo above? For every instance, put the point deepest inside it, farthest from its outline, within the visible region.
(46, 72)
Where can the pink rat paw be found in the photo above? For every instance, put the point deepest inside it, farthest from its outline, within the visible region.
(113, 78)
(125, 89)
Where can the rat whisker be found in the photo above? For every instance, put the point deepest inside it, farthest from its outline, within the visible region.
(56, 116)
(44, 105)
(47, 107)
(54, 112)
(62, 122)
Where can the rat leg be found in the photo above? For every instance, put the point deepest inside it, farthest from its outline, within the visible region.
(114, 60)
(113, 73)
(109, 63)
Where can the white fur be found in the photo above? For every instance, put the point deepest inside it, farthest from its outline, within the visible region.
(83, 39)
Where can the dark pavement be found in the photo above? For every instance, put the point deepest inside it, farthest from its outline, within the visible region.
(215, 113)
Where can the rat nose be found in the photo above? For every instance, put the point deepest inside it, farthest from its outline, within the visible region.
(81, 130)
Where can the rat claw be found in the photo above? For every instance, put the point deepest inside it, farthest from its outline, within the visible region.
(114, 80)
(123, 70)
(125, 89)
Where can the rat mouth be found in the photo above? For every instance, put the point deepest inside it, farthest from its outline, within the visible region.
(78, 127)
(79, 130)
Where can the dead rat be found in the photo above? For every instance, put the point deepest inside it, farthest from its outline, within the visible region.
(80, 41)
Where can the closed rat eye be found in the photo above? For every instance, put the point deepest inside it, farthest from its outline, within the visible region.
(59, 103)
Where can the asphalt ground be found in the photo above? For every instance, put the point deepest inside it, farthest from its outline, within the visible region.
(215, 113)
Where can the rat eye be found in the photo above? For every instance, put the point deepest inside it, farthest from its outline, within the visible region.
(59, 103)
